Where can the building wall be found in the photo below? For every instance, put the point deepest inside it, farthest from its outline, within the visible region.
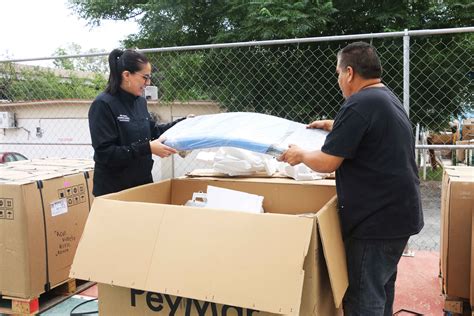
(60, 128)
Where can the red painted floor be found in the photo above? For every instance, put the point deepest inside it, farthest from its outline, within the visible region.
(417, 289)
(91, 292)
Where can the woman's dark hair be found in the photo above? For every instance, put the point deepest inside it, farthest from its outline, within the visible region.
(119, 61)
(363, 58)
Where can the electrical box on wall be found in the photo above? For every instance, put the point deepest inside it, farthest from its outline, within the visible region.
(7, 120)
(151, 93)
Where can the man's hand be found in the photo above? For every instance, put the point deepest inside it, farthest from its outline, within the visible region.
(160, 149)
(316, 160)
(322, 124)
(293, 155)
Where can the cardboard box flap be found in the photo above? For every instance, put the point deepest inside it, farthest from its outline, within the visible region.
(69, 162)
(249, 260)
(117, 243)
(333, 248)
(215, 173)
(22, 177)
(272, 180)
(471, 284)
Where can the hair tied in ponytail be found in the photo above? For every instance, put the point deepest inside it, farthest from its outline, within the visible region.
(119, 53)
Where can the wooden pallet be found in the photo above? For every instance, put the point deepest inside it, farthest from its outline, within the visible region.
(21, 306)
(457, 306)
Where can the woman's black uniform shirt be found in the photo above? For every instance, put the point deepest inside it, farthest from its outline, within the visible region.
(121, 129)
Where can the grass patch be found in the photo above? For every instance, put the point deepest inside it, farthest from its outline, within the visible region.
(431, 174)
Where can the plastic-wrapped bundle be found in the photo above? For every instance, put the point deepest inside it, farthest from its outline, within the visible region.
(237, 161)
(252, 131)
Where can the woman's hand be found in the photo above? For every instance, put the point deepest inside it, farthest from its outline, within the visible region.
(160, 149)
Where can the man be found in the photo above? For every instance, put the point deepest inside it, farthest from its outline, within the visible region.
(371, 147)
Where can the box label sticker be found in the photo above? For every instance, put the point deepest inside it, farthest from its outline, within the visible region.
(58, 207)
(6, 209)
(74, 195)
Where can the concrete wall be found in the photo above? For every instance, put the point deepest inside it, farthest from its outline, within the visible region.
(60, 128)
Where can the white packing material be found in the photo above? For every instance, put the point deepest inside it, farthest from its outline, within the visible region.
(241, 162)
(236, 161)
(206, 157)
(227, 199)
(300, 172)
(199, 199)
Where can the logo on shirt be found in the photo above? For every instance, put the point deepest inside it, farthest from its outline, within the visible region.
(123, 118)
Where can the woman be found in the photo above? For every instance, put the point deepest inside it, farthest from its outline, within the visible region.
(123, 134)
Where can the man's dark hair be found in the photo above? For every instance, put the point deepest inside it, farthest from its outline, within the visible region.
(119, 61)
(363, 58)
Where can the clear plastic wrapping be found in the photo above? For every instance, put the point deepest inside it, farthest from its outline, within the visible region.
(256, 132)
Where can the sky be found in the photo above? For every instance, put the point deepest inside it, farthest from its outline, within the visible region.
(34, 28)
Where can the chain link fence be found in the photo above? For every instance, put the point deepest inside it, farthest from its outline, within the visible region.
(431, 71)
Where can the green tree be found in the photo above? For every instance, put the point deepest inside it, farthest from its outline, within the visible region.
(372, 16)
(192, 22)
(162, 22)
(96, 64)
(35, 83)
(83, 78)
(297, 81)
(275, 19)
(7, 76)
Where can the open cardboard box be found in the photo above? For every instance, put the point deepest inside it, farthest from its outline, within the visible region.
(153, 256)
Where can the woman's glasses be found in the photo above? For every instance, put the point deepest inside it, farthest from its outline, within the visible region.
(146, 77)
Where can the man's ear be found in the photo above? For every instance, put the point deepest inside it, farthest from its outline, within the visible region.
(350, 73)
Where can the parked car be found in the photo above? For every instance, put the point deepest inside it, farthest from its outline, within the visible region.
(11, 156)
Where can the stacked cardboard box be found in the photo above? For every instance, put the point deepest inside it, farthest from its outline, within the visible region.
(468, 129)
(464, 155)
(43, 208)
(457, 206)
(151, 254)
(441, 138)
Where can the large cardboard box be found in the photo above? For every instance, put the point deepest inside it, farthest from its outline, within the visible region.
(441, 138)
(457, 201)
(471, 299)
(154, 256)
(42, 215)
(468, 129)
(461, 153)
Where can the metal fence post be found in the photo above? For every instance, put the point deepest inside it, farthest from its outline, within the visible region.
(417, 141)
(406, 72)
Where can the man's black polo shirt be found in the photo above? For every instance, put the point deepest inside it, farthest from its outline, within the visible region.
(377, 183)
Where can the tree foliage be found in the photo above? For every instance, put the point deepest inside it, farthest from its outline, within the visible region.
(367, 16)
(165, 23)
(35, 83)
(296, 81)
(98, 64)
